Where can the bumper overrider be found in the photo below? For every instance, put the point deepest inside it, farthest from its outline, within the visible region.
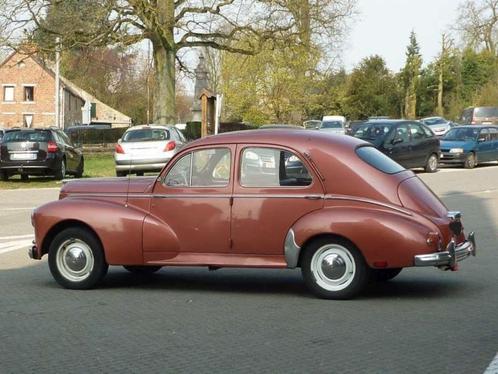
(454, 253)
(451, 256)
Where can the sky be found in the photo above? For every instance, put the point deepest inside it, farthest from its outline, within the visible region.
(383, 27)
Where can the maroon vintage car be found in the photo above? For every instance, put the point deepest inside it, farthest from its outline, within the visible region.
(332, 205)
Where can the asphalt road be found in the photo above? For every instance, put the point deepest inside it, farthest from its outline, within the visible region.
(192, 320)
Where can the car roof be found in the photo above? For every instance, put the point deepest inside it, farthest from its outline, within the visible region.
(141, 127)
(389, 122)
(474, 126)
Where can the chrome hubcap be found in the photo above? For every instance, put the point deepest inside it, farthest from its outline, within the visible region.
(75, 260)
(333, 267)
(433, 162)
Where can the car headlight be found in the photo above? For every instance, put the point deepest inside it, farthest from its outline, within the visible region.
(456, 150)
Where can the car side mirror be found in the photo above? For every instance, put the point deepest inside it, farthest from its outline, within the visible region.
(396, 141)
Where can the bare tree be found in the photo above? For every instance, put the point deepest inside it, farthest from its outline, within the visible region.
(446, 47)
(478, 22)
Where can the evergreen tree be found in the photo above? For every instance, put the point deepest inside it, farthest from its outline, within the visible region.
(411, 74)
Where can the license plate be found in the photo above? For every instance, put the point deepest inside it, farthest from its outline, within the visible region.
(23, 156)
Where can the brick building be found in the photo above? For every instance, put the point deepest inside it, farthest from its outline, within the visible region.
(28, 98)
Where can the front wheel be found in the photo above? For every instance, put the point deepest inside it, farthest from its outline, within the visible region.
(334, 269)
(80, 169)
(431, 164)
(470, 161)
(76, 259)
(120, 173)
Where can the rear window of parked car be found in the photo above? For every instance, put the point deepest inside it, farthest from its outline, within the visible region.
(26, 136)
(144, 135)
(378, 160)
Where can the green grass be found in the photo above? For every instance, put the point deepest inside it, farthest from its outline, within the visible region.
(96, 165)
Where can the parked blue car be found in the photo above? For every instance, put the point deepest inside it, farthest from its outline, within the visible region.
(469, 145)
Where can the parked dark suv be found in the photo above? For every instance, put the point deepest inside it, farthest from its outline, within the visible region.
(410, 143)
(39, 152)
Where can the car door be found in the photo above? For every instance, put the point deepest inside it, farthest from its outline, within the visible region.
(398, 145)
(493, 131)
(484, 146)
(274, 188)
(72, 154)
(192, 201)
(422, 145)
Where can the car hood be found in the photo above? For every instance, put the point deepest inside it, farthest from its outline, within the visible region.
(465, 144)
(108, 186)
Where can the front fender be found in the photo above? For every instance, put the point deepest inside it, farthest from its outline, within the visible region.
(381, 234)
(119, 228)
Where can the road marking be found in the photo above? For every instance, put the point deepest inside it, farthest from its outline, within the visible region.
(493, 366)
(26, 236)
(14, 246)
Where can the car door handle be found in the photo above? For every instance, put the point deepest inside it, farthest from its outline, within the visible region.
(313, 197)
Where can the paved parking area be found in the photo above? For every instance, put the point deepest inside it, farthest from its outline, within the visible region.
(192, 320)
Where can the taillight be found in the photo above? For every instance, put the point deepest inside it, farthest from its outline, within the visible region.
(52, 147)
(170, 146)
(118, 148)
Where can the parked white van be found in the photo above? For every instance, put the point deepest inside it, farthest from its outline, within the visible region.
(333, 124)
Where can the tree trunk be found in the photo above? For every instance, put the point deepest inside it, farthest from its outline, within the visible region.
(164, 106)
(440, 109)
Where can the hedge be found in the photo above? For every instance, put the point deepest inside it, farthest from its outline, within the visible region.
(95, 136)
(193, 129)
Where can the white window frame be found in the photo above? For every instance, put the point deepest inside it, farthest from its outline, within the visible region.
(5, 86)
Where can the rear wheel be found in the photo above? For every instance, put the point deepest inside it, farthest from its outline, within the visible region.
(61, 172)
(140, 173)
(470, 161)
(431, 164)
(121, 173)
(24, 177)
(76, 259)
(142, 269)
(334, 269)
(4, 176)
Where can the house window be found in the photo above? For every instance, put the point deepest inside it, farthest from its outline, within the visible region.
(8, 93)
(29, 93)
(27, 120)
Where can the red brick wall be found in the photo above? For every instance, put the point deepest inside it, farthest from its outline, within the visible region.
(21, 70)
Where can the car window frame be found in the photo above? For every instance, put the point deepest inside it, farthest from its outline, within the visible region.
(309, 168)
(162, 177)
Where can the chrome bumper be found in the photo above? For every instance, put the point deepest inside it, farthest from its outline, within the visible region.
(450, 257)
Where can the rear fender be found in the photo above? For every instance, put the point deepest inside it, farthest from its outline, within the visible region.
(381, 234)
(119, 228)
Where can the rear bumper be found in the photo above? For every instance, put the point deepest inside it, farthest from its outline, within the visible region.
(450, 257)
(141, 167)
(19, 167)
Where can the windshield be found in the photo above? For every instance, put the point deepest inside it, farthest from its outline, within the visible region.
(372, 131)
(434, 121)
(486, 112)
(462, 133)
(144, 135)
(331, 125)
(26, 136)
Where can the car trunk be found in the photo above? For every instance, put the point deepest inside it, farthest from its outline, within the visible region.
(144, 148)
(415, 195)
(24, 151)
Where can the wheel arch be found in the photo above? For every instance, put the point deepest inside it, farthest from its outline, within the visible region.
(326, 235)
(61, 226)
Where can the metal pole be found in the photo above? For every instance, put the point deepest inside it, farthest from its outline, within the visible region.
(147, 82)
(219, 100)
(57, 82)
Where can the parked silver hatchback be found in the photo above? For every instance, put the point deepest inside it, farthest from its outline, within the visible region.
(146, 149)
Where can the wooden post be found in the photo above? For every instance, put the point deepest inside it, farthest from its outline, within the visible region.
(204, 116)
(208, 100)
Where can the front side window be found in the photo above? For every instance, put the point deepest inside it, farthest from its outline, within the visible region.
(203, 168)
(270, 167)
(401, 134)
(8, 93)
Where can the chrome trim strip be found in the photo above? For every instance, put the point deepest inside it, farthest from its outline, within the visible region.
(279, 196)
(291, 250)
(198, 196)
(369, 201)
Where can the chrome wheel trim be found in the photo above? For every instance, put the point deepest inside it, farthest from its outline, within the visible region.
(432, 162)
(75, 260)
(333, 267)
(471, 160)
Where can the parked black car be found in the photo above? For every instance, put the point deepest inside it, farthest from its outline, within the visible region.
(39, 152)
(411, 144)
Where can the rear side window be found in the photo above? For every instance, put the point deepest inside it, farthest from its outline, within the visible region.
(378, 160)
(271, 167)
(144, 135)
(26, 136)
